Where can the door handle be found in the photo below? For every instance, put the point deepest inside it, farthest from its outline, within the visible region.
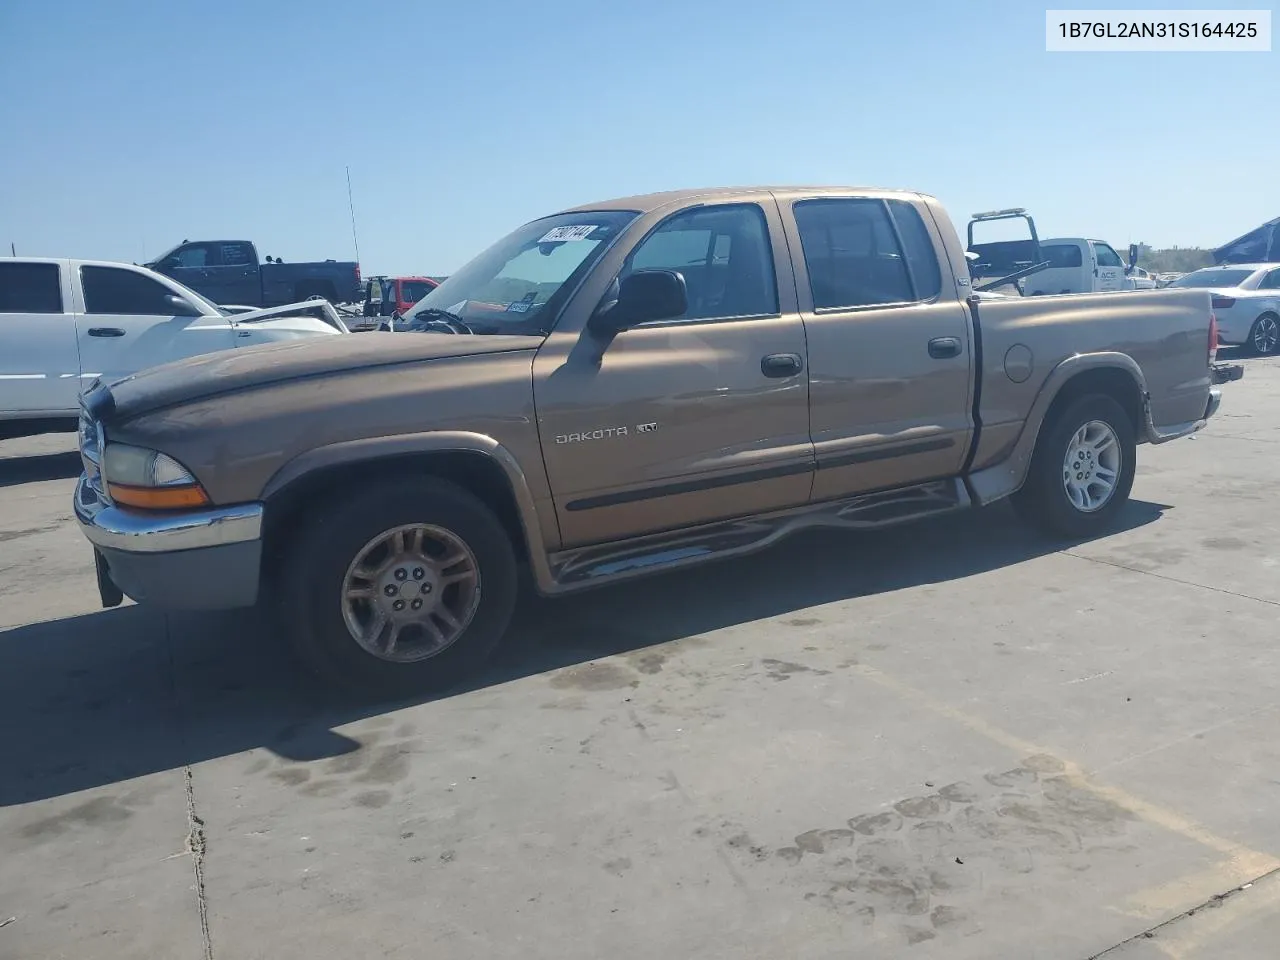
(944, 348)
(781, 365)
(105, 332)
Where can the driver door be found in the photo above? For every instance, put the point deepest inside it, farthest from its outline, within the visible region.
(685, 421)
(1109, 268)
(127, 322)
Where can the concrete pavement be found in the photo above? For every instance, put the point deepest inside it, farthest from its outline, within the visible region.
(950, 740)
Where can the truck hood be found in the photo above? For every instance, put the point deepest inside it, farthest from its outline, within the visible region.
(227, 371)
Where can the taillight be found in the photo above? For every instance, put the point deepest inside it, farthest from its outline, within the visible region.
(1221, 303)
(1213, 338)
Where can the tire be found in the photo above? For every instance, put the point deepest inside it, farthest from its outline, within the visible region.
(320, 567)
(1264, 335)
(314, 291)
(1044, 499)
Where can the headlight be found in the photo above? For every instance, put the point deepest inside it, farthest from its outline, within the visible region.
(137, 477)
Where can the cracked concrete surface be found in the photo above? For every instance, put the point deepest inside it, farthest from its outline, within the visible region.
(943, 741)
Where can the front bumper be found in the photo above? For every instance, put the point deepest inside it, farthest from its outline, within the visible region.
(193, 560)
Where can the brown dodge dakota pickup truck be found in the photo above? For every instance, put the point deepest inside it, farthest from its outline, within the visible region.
(619, 389)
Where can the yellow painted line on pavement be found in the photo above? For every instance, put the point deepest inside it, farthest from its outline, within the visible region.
(1242, 864)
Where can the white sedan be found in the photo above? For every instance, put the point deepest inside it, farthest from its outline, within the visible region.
(1246, 301)
(64, 323)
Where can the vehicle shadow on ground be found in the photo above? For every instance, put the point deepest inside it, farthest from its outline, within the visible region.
(39, 468)
(102, 698)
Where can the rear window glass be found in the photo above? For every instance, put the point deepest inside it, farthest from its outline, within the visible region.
(30, 288)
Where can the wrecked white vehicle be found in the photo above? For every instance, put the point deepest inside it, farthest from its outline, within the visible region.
(65, 323)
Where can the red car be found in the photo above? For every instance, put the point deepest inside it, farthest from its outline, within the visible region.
(394, 296)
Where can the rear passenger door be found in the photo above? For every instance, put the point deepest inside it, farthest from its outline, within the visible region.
(39, 365)
(890, 358)
(129, 322)
(236, 273)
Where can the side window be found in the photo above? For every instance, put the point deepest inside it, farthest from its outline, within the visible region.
(852, 254)
(1106, 256)
(917, 244)
(30, 288)
(194, 255)
(1271, 281)
(112, 290)
(724, 255)
(236, 254)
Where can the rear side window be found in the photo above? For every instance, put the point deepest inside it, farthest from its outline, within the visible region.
(1271, 281)
(111, 290)
(236, 254)
(1106, 256)
(852, 254)
(30, 288)
(1061, 255)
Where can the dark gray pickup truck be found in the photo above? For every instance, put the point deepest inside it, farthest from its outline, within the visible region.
(229, 271)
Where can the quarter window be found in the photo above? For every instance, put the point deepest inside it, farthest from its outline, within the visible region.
(917, 244)
(1271, 281)
(852, 254)
(115, 291)
(1061, 255)
(723, 252)
(30, 288)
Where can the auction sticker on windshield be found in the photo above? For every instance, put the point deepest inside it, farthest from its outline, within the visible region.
(562, 234)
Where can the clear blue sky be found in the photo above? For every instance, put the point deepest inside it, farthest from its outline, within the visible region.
(128, 126)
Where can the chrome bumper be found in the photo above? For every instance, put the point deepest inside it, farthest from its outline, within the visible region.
(195, 560)
(132, 531)
(1215, 401)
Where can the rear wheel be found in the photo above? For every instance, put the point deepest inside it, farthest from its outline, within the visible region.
(1264, 336)
(406, 588)
(1082, 469)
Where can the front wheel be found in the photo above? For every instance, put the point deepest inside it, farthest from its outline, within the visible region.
(1082, 469)
(1264, 336)
(406, 588)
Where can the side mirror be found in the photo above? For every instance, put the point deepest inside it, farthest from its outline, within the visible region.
(642, 297)
(1133, 255)
(181, 306)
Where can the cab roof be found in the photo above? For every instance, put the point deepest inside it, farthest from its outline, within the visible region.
(647, 202)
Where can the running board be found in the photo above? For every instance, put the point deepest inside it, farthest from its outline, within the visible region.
(657, 553)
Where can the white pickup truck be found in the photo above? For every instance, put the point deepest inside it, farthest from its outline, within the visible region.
(64, 323)
(1080, 265)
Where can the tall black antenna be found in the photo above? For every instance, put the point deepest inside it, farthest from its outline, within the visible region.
(351, 205)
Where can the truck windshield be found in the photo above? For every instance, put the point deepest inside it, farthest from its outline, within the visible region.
(1213, 278)
(518, 284)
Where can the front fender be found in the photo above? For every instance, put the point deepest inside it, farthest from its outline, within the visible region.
(443, 441)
